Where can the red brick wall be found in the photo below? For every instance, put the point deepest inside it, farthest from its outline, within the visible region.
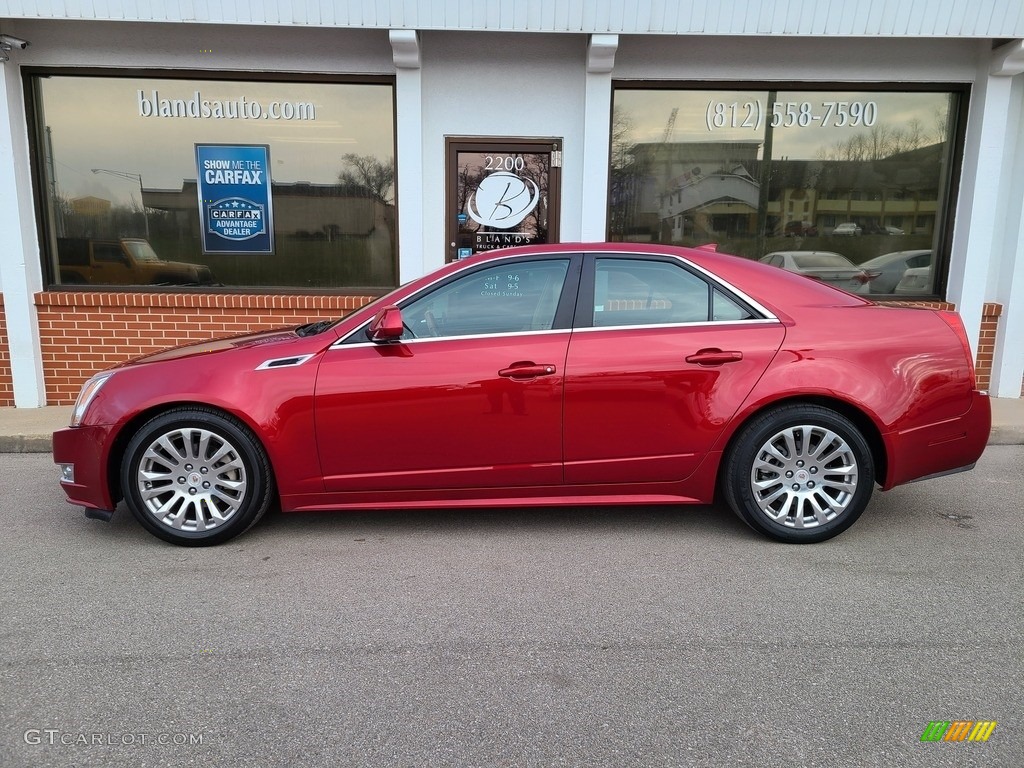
(987, 343)
(82, 333)
(6, 380)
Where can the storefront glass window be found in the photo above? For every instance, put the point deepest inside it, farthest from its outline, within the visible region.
(863, 174)
(235, 183)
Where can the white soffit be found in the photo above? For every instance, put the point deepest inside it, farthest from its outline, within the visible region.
(847, 18)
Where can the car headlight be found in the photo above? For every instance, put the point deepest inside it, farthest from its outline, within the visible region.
(89, 390)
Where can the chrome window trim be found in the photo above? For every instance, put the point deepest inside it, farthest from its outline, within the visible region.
(696, 324)
(566, 255)
(716, 282)
(463, 337)
(588, 329)
(289, 361)
(711, 277)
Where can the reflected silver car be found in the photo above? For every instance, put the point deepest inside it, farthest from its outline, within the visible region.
(849, 228)
(827, 266)
(916, 281)
(892, 266)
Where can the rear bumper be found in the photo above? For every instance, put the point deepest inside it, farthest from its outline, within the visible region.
(85, 448)
(940, 448)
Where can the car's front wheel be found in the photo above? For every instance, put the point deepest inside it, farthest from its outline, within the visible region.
(799, 473)
(196, 477)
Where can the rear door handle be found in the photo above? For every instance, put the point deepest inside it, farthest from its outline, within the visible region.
(714, 357)
(526, 371)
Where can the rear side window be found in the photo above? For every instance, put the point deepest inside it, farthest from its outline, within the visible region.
(110, 252)
(725, 309)
(640, 292)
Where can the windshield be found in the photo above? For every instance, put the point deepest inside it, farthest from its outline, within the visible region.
(141, 250)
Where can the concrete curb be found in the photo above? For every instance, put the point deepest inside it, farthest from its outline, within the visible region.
(26, 443)
(1006, 435)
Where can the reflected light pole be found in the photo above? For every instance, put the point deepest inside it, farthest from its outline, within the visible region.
(137, 177)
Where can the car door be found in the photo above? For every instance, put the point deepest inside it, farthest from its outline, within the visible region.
(660, 360)
(110, 264)
(470, 396)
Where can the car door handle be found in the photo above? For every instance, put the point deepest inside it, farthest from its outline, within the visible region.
(526, 371)
(714, 357)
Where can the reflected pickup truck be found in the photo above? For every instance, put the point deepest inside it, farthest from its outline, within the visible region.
(125, 261)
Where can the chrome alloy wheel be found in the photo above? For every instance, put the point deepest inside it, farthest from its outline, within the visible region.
(191, 479)
(804, 476)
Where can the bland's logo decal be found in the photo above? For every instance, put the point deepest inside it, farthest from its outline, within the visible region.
(503, 200)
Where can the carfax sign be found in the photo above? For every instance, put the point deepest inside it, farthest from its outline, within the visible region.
(235, 207)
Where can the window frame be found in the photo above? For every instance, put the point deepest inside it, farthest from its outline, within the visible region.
(949, 193)
(455, 285)
(586, 296)
(36, 143)
(565, 309)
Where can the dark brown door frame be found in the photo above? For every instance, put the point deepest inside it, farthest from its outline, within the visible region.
(502, 147)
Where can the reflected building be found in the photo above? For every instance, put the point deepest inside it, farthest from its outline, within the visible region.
(699, 192)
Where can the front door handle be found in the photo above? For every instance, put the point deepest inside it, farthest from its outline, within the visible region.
(714, 356)
(526, 371)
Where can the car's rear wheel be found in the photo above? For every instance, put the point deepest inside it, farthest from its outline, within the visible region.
(799, 473)
(196, 477)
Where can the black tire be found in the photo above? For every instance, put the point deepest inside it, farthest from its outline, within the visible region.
(799, 474)
(207, 478)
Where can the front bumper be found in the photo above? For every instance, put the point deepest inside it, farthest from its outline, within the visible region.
(87, 449)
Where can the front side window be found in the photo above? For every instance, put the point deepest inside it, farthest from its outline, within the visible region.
(863, 173)
(514, 298)
(147, 181)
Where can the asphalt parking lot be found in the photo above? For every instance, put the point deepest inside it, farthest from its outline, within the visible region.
(571, 637)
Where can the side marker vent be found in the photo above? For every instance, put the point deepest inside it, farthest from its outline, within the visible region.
(283, 362)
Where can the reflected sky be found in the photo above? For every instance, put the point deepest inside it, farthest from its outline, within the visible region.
(98, 123)
(649, 112)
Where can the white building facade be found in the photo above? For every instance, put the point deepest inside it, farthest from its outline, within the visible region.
(755, 125)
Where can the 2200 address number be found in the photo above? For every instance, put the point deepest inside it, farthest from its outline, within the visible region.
(789, 114)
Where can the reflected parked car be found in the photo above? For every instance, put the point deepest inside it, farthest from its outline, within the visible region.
(827, 266)
(848, 228)
(891, 267)
(800, 229)
(916, 281)
(569, 374)
(124, 261)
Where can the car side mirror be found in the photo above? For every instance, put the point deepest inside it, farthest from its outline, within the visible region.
(386, 325)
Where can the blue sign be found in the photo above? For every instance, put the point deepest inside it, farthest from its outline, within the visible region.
(235, 206)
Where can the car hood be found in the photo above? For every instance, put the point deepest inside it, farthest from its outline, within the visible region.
(215, 346)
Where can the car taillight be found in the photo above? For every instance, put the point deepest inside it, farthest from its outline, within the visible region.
(866, 277)
(953, 320)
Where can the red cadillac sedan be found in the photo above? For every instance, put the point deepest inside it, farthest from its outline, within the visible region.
(596, 373)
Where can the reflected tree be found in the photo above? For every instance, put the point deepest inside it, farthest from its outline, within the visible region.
(629, 168)
(370, 173)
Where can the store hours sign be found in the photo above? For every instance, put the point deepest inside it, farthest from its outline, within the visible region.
(235, 205)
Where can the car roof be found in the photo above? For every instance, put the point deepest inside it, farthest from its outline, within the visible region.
(763, 282)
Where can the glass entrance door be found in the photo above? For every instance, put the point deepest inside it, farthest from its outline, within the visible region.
(501, 193)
